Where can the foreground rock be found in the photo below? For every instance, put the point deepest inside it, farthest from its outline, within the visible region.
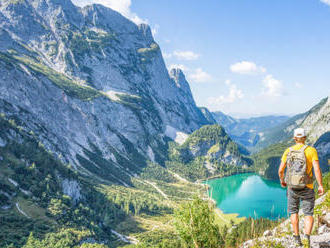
(281, 236)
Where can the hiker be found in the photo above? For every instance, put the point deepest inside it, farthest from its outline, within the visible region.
(300, 160)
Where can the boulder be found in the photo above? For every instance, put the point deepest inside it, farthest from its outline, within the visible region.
(323, 229)
(268, 233)
(325, 220)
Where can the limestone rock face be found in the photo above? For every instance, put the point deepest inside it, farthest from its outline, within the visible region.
(89, 80)
(317, 122)
(72, 189)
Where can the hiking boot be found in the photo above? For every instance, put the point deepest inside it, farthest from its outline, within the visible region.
(307, 240)
(297, 240)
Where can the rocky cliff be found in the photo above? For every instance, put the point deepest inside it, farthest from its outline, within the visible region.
(89, 82)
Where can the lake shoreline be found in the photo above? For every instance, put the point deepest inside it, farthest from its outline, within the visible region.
(224, 176)
(244, 193)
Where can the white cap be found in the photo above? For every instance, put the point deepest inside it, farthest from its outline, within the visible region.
(299, 133)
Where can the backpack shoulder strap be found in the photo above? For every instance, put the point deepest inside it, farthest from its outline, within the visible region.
(304, 148)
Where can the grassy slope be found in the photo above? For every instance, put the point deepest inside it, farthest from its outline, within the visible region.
(267, 160)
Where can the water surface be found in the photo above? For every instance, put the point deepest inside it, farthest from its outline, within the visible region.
(249, 195)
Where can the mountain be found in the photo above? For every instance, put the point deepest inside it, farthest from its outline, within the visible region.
(247, 131)
(87, 81)
(99, 142)
(87, 111)
(322, 145)
(207, 152)
(315, 121)
(208, 115)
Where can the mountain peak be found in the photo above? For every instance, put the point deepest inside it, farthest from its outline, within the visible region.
(177, 75)
(146, 31)
(65, 4)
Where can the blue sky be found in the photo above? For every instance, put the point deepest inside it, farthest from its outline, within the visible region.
(245, 58)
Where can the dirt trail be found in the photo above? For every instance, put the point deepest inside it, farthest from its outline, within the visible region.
(21, 211)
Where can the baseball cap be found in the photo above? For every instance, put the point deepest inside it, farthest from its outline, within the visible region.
(299, 133)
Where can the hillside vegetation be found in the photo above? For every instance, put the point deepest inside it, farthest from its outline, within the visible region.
(41, 195)
(207, 152)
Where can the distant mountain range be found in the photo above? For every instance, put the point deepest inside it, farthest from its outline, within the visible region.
(247, 131)
(259, 132)
(315, 121)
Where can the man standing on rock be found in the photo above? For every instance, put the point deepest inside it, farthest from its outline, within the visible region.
(300, 160)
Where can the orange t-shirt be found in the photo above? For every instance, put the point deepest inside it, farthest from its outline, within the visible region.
(311, 156)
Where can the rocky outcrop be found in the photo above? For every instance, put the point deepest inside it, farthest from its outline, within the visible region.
(72, 189)
(208, 115)
(317, 122)
(322, 145)
(281, 236)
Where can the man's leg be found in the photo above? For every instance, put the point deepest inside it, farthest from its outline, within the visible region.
(295, 223)
(309, 221)
(293, 209)
(307, 204)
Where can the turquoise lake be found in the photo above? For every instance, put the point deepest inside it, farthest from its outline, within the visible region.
(249, 195)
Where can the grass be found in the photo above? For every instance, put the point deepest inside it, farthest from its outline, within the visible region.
(147, 53)
(32, 210)
(222, 219)
(267, 244)
(70, 86)
(16, 2)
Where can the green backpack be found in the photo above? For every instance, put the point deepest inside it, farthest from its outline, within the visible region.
(296, 173)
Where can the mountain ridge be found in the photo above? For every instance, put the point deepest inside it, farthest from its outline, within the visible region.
(247, 131)
(98, 56)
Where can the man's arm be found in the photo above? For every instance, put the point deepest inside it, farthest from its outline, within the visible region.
(281, 173)
(318, 175)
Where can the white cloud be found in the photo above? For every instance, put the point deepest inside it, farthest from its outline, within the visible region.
(299, 85)
(326, 1)
(167, 55)
(181, 55)
(233, 95)
(186, 55)
(247, 67)
(199, 76)
(122, 6)
(273, 87)
(154, 29)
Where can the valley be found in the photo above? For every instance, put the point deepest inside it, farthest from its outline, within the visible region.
(102, 146)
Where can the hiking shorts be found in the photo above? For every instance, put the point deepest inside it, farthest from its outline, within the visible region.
(307, 198)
